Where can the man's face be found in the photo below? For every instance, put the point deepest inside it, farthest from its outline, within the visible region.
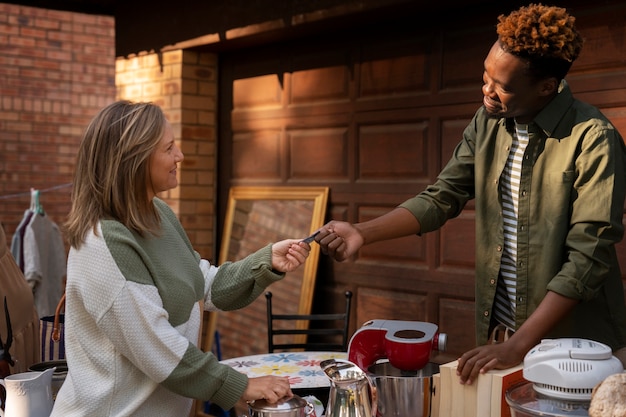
(508, 90)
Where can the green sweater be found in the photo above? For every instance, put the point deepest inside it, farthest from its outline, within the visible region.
(133, 321)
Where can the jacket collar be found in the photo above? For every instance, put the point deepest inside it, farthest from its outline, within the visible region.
(550, 116)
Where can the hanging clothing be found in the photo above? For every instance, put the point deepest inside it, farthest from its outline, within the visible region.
(17, 248)
(44, 262)
(24, 319)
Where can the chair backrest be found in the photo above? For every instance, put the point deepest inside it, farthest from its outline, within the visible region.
(322, 332)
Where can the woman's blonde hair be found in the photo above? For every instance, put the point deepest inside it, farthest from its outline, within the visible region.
(112, 170)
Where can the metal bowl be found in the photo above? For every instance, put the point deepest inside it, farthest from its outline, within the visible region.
(290, 407)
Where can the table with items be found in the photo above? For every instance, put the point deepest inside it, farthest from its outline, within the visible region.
(302, 368)
(306, 377)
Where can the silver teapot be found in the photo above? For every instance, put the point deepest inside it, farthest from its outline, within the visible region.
(352, 393)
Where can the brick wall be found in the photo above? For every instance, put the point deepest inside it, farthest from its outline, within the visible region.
(56, 70)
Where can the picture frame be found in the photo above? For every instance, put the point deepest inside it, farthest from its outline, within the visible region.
(255, 217)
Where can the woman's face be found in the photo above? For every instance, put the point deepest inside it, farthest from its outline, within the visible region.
(508, 90)
(163, 164)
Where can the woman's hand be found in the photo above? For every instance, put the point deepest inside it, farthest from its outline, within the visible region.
(289, 254)
(270, 388)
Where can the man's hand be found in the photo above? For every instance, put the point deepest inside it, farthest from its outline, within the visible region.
(339, 240)
(511, 352)
(485, 358)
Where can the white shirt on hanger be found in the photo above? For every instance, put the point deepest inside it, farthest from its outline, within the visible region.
(45, 262)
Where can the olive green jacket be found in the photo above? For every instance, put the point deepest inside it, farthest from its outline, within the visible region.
(570, 214)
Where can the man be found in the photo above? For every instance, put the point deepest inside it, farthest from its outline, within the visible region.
(547, 173)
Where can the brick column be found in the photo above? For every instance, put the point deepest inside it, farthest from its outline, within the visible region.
(184, 84)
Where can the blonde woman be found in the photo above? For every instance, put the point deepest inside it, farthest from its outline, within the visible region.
(135, 286)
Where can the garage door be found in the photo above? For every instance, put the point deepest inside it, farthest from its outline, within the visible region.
(373, 113)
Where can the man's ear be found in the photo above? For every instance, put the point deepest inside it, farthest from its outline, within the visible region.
(549, 86)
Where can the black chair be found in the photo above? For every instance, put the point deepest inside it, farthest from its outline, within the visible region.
(324, 332)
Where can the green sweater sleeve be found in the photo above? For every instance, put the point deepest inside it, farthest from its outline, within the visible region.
(239, 283)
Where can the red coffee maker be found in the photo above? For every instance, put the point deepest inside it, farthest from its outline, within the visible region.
(406, 344)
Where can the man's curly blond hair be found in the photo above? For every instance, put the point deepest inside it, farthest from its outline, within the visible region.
(545, 36)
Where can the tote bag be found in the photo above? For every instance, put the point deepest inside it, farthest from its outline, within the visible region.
(52, 334)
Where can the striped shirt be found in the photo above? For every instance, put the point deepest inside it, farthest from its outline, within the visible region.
(504, 308)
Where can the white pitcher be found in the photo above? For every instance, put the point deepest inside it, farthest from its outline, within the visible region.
(29, 394)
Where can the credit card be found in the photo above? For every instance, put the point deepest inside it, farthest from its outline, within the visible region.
(310, 238)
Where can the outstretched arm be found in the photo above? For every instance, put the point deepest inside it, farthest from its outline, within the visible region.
(341, 240)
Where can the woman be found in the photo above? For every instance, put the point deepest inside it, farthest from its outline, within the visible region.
(136, 289)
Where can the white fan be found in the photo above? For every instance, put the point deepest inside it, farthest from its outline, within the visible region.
(569, 368)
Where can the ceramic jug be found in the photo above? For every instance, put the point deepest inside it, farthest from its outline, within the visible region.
(29, 394)
(352, 393)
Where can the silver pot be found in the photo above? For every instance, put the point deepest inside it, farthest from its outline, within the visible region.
(289, 407)
(403, 393)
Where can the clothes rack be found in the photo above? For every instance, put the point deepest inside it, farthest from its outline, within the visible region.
(28, 193)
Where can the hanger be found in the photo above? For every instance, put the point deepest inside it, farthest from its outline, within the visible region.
(34, 202)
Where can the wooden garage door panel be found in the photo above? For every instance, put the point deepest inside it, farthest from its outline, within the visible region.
(338, 211)
(604, 45)
(617, 115)
(264, 90)
(403, 75)
(318, 153)
(374, 303)
(331, 83)
(257, 155)
(392, 152)
(463, 54)
(457, 320)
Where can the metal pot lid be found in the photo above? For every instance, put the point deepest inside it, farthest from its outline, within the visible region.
(288, 403)
(527, 401)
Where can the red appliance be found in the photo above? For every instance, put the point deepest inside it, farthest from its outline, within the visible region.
(406, 344)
